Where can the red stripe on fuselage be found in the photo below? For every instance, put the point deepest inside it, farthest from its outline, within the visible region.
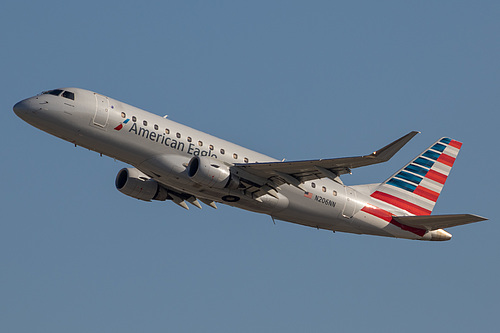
(387, 216)
(416, 231)
(378, 212)
(400, 203)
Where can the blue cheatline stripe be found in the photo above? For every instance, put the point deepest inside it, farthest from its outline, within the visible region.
(445, 140)
(402, 184)
(126, 121)
(439, 147)
(416, 169)
(431, 154)
(409, 177)
(424, 162)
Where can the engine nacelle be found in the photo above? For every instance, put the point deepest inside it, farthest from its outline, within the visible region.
(135, 184)
(208, 171)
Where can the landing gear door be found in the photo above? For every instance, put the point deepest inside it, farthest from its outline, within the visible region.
(350, 202)
(101, 111)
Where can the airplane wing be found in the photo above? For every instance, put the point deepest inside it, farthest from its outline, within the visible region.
(434, 222)
(297, 172)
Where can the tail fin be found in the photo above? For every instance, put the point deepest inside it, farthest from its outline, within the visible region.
(416, 187)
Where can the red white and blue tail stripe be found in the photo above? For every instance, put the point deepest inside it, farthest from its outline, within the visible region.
(415, 188)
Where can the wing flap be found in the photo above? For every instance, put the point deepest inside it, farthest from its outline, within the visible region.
(434, 222)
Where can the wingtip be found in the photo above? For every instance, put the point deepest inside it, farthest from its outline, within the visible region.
(415, 132)
(479, 218)
(385, 153)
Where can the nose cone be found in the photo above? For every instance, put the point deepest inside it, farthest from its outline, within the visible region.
(26, 109)
(21, 108)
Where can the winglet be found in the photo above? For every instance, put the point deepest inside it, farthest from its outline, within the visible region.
(385, 153)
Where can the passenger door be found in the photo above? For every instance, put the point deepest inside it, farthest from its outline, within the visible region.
(101, 111)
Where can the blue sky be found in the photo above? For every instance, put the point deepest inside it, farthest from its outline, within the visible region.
(291, 79)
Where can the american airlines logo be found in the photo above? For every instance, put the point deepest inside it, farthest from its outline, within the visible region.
(119, 127)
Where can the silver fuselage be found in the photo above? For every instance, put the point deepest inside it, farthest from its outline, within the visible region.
(162, 149)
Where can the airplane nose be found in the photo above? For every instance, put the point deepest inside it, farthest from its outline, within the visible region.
(24, 108)
(21, 108)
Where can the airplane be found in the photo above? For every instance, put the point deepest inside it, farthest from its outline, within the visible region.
(171, 161)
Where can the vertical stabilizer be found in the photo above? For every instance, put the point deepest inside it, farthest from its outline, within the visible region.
(416, 187)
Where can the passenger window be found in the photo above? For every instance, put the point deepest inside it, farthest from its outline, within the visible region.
(69, 95)
(145, 123)
(134, 119)
(235, 156)
(245, 159)
(334, 193)
(211, 147)
(178, 135)
(167, 131)
(200, 143)
(189, 139)
(156, 127)
(124, 115)
(323, 189)
(313, 185)
(222, 151)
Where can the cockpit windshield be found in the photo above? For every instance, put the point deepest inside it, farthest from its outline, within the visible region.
(57, 92)
(69, 95)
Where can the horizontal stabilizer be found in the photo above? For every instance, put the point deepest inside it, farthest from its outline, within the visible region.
(434, 222)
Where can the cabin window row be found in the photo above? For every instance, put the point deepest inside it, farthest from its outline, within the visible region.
(323, 188)
(178, 135)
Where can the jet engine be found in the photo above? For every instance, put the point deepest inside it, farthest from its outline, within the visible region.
(209, 172)
(135, 184)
